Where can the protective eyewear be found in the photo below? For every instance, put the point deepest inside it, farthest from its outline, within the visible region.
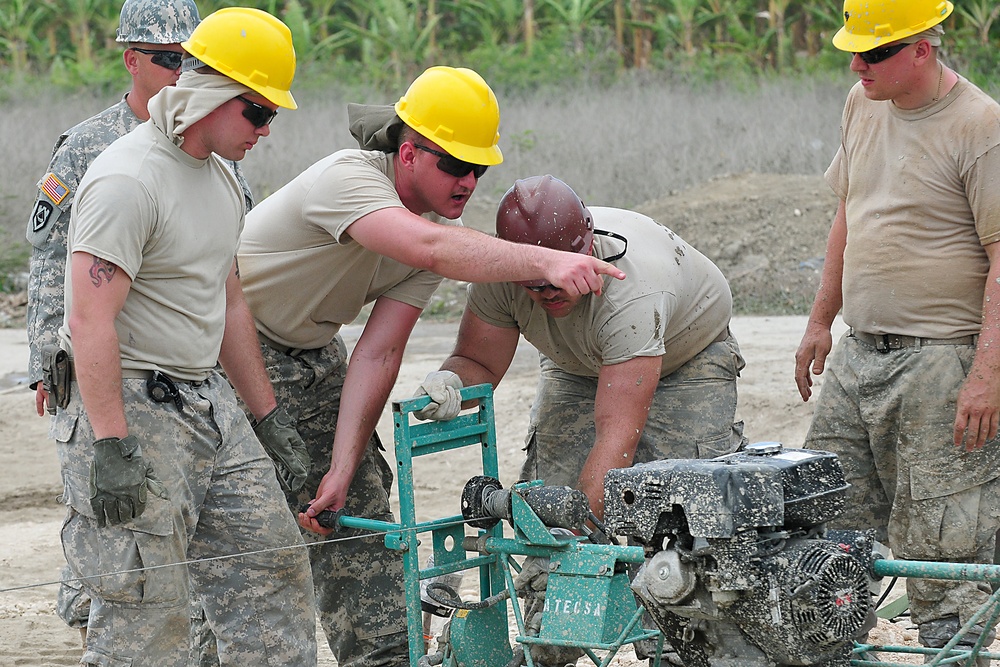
(452, 165)
(617, 255)
(168, 59)
(875, 56)
(258, 114)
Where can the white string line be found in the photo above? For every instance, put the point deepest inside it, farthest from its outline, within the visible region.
(228, 556)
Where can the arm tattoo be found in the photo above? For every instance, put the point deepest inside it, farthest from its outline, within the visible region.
(102, 271)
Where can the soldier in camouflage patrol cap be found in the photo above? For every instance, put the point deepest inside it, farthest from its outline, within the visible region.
(157, 22)
(157, 27)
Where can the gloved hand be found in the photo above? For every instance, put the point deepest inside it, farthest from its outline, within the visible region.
(120, 480)
(276, 431)
(443, 387)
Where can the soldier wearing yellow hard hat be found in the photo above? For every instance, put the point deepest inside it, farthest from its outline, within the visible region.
(911, 397)
(377, 225)
(160, 464)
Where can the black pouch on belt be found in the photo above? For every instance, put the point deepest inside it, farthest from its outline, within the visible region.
(163, 390)
(56, 375)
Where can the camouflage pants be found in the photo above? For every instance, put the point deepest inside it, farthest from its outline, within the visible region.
(359, 582)
(73, 607)
(890, 418)
(691, 416)
(223, 499)
(72, 602)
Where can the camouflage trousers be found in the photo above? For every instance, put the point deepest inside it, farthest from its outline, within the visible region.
(890, 419)
(72, 602)
(359, 582)
(222, 499)
(691, 416)
(73, 607)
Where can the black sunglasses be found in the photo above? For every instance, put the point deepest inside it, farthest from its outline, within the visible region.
(542, 288)
(168, 59)
(452, 165)
(258, 114)
(875, 56)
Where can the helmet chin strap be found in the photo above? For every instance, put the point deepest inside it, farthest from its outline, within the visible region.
(617, 237)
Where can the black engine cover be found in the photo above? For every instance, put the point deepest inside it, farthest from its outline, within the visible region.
(763, 486)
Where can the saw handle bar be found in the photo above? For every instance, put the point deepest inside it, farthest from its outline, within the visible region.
(326, 518)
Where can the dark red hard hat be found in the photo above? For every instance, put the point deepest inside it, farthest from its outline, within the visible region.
(542, 210)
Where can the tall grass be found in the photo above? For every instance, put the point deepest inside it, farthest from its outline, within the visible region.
(642, 139)
(618, 146)
(29, 127)
(636, 140)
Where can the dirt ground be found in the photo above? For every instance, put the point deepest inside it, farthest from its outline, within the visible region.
(766, 232)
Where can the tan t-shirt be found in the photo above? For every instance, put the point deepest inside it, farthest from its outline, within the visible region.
(303, 275)
(923, 196)
(674, 302)
(172, 223)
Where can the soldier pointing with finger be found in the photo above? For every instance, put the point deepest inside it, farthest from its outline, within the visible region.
(380, 226)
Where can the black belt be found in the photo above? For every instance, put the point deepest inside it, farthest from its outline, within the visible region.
(138, 374)
(886, 342)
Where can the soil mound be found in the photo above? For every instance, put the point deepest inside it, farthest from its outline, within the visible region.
(767, 232)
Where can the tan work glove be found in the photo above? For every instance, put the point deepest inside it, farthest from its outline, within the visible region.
(443, 387)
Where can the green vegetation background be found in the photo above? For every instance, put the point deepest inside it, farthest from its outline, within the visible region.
(520, 44)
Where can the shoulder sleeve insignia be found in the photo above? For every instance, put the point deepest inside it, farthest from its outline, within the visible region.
(40, 216)
(54, 188)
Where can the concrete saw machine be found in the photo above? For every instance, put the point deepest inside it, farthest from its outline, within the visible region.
(730, 558)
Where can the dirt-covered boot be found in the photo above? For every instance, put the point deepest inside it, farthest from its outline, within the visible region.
(937, 633)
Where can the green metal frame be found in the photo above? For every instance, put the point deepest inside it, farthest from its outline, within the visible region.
(420, 439)
(587, 570)
(950, 654)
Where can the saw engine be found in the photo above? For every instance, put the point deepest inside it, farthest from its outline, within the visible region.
(740, 570)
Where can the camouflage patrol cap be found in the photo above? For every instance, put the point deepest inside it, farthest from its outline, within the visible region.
(157, 21)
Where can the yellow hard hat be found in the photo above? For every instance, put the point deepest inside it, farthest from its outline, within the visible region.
(457, 110)
(249, 46)
(869, 24)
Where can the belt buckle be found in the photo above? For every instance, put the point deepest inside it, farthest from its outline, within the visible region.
(882, 343)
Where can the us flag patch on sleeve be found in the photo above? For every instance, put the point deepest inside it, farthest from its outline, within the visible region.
(54, 188)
